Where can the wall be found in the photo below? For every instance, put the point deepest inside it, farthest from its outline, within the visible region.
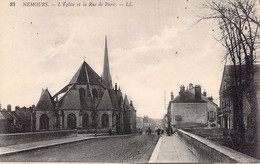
(194, 113)
(207, 151)
(19, 138)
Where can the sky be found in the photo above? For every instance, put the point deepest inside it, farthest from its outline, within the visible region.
(154, 46)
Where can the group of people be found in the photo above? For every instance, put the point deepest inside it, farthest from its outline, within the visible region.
(159, 131)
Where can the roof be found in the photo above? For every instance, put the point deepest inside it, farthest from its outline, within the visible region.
(114, 98)
(227, 75)
(105, 102)
(126, 103)
(189, 97)
(46, 101)
(106, 71)
(70, 100)
(85, 74)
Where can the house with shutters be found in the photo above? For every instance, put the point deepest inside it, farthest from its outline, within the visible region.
(228, 110)
(191, 109)
(88, 102)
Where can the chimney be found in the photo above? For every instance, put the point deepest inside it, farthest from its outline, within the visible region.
(182, 91)
(190, 86)
(17, 108)
(210, 98)
(172, 97)
(9, 107)
(197, 92)
(205, 93)
(116, 88)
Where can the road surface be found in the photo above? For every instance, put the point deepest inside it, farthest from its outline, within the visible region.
(124, 149)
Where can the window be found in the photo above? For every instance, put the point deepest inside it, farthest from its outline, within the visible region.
(223, 105)
(85, 120)
(105, 121)
(71, 122)
(44, 122)
(82, 92)
(212, 116)
(93, 119)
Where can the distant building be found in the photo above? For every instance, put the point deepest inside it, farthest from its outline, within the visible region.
(139, 122)
(191, 108)
(226, 116)
(17, 121)
(88, 102)
(146, 122)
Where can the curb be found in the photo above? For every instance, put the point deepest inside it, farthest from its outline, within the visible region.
(155, 151)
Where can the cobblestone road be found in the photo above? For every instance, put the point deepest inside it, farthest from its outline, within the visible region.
(123, 149)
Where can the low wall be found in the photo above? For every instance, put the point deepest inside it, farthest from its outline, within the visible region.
(207, 151)
(19, 138)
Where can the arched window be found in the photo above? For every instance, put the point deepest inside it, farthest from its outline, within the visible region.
(72, 121)
(95, 93)
(44, 122)
(105, 121)
(82, 92)
(85, 120)
(93, 119)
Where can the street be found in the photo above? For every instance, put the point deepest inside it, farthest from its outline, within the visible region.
(124, 149)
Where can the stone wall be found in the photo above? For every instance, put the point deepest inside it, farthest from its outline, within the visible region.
(19, 138)
(207, 151)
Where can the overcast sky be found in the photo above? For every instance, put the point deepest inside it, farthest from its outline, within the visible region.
(154, 46)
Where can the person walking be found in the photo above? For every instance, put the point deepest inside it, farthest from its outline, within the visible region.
(159, 132)
(149, 131)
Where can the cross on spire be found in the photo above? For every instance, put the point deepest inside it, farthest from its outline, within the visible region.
(84, 57)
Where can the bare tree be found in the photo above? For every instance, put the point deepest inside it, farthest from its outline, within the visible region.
(239, 27)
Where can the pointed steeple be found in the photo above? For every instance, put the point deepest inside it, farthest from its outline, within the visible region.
(106, 71)
(46, 102)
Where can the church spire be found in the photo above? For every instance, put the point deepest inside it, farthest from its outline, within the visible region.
(106, 71)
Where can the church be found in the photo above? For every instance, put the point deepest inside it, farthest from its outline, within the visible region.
(89, 103)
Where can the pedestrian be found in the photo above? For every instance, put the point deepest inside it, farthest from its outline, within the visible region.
(149, 131)
(110, 132)
(158, 132)
(168, 131)
(172, 131)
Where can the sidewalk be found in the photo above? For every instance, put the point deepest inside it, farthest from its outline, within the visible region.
(170, 149)
(42, 144)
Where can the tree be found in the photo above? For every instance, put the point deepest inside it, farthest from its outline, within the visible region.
(239, 35)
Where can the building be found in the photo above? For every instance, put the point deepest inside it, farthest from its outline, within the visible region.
(17, 121)
(191, 108)
(146, 122)
(139, 123)
(88, 102)
(226, 115)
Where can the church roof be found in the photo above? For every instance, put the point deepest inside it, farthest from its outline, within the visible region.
(114, 98)
(46, 102)
(105, 102)
(109, 100)
(85, 74)
(70, 100)
(106, 71)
